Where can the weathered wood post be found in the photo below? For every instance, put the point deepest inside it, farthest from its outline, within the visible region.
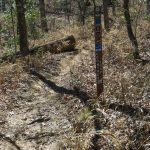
(98, 49)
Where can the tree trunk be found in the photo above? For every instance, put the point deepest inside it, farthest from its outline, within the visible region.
(106, 16)
(3, 5)
(82, 5)
(129, 29)
(67, 10)
(43, 16)
(114, 7)
(22, 27)
(148, 7)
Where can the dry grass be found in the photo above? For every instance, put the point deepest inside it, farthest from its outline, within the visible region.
(127, 88)
(127, 85)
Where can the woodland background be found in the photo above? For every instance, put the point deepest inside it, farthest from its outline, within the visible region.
(47, 75)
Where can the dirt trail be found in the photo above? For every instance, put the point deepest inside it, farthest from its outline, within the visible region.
(40, 120)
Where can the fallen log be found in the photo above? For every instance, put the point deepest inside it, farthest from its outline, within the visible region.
(59, 46)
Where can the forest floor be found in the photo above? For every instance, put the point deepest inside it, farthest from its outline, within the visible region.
(43, 106)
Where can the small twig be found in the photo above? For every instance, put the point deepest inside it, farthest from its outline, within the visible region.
(8, 139)
(42, 135)
(39, 120)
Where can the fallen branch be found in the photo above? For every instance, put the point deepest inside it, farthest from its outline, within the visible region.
(39, 120)
(41, 135)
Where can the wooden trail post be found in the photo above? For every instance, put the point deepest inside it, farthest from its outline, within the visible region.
(98, 49)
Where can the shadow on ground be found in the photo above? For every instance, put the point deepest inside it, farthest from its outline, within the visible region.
(83, 96)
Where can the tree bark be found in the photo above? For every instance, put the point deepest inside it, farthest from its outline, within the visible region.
(148, 7)
(129, 29)
(106, 15)
(22, 27)
(67, 10)
(114, 7)
(59, 46)
(82, 5)
(43, 16)
(3, 5)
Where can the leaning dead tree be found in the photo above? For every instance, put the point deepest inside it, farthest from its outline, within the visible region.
(59, 46)
(129, 29)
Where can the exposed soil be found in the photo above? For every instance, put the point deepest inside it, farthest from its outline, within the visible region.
(45, 105)
(32, 114)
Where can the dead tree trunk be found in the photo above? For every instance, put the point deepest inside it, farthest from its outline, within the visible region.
(59, 46)
(43, 16)
(22, 27)
(129, 29)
